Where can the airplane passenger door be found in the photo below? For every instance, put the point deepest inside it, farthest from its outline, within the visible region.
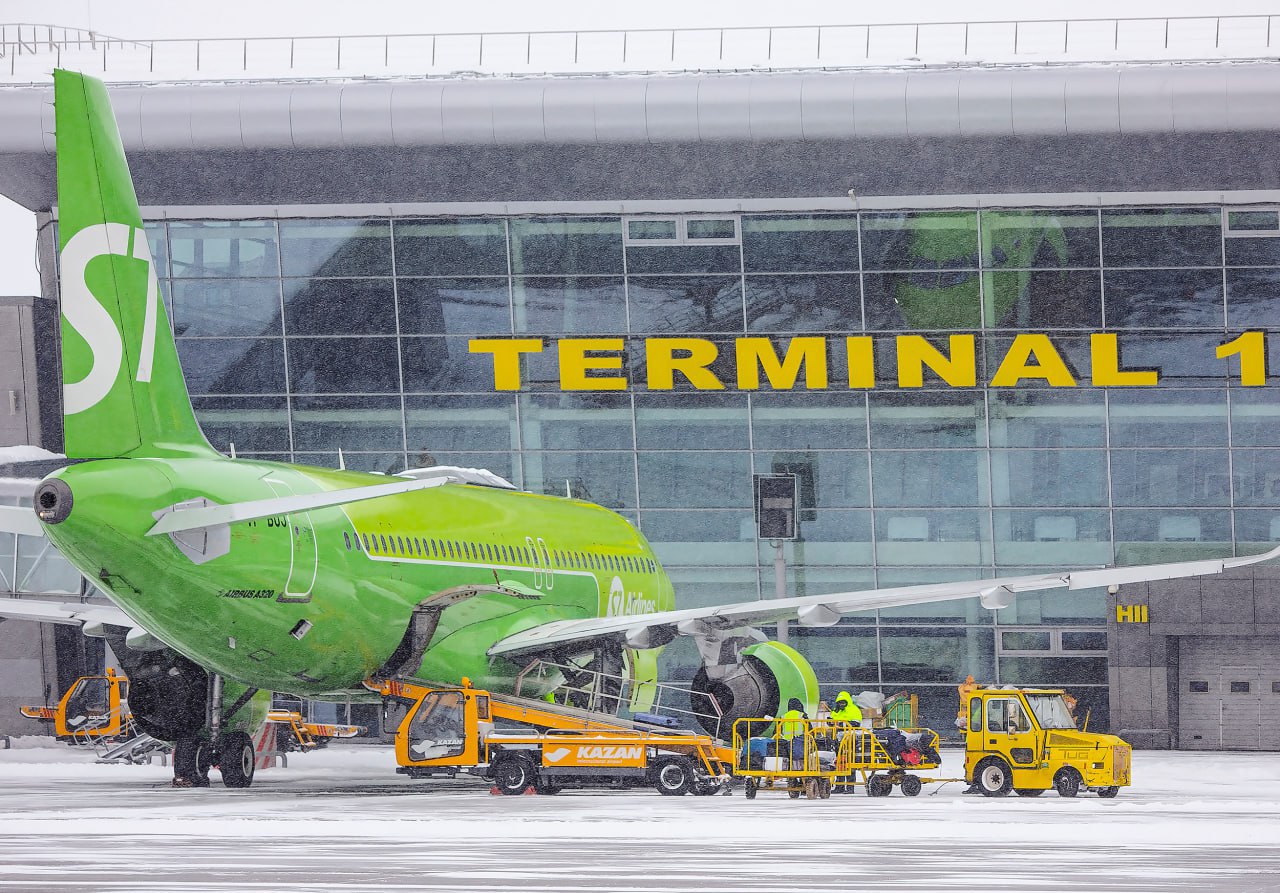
(304, 558)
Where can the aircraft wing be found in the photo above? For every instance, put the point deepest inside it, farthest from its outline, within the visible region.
(195, 518)
(19, 519)
(652, 630)
(70, 613)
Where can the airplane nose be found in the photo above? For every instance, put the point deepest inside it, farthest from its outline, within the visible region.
(53, 501)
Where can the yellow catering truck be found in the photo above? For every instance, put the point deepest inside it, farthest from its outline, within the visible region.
(1025, 740)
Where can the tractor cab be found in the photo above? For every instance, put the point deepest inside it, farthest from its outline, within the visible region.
(94, 708)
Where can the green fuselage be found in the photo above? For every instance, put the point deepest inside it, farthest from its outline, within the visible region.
(354, 573)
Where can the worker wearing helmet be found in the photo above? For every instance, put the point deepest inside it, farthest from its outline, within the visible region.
(846, 710)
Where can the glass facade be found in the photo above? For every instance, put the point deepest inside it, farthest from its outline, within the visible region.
(303, 337)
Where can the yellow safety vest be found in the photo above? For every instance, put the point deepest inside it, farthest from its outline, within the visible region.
(792, 724)
(850, 713)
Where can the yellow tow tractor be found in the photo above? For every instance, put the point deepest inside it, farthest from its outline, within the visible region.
(1025, 740)
(448, 729)
(94, 709)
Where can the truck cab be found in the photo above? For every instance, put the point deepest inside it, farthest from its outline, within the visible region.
(1026, 740)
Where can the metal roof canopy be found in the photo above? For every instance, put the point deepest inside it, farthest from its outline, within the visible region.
(275, 142)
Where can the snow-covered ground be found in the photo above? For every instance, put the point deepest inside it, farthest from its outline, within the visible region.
(341, 819)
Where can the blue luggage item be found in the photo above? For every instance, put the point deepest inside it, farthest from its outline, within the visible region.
(754, 751)
(657, 719)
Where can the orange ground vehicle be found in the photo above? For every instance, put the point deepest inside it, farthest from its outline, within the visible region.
(298, 734)
(449, 729)
(95, 708)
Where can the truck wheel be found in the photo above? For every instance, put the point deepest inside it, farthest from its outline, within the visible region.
(879, 786)
(824, 788)
(237, 760)
(993, 777)
(673, 776)
(1067, 782)
(1108, 793)
(911, 785)
(1028, 792)
(793, 792)
(512, 775)
(751, 789)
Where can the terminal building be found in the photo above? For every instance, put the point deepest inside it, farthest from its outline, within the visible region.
(996, 319)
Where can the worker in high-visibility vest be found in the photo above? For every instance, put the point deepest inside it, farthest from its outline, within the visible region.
(846, 710)
(791, 728)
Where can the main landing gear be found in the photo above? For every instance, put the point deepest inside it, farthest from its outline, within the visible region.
(231, 752)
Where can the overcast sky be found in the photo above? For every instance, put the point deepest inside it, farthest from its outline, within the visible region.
(144, 19)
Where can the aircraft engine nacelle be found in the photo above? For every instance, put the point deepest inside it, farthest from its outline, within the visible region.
(760, 683)
(168, 694)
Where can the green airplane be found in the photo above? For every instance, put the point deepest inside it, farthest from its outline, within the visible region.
(229, 577)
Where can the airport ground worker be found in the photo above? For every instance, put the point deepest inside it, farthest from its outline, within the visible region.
(792, 727)
(846, 710)
(965, 689)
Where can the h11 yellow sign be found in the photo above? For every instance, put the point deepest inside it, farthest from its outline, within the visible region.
(1131, 614)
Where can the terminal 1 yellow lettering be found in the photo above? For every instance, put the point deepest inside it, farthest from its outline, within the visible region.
(958, 370)
(1104, 354)
(754, 354)
(584, 363)
(506, 358)
(661, 363)
(1049, 365)
(575, 364)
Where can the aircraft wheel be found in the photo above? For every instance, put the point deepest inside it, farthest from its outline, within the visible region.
(512, 775)
(237, 760)
(993, 777)
(911, 785)
(191, 760)
(673, 776)
(1067, 782)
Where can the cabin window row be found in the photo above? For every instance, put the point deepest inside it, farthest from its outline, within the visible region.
(425, 547)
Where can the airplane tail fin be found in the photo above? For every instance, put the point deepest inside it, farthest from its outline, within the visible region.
(123, 390)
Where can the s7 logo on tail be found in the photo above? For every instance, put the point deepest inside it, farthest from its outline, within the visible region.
(93, 321)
